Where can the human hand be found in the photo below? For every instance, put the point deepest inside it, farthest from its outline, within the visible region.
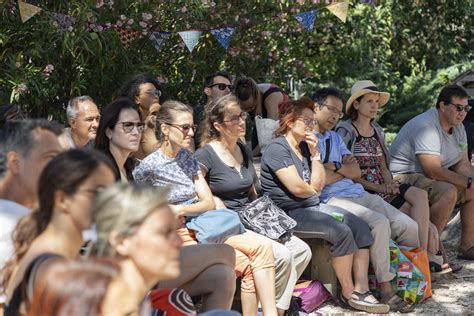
(348, 159)
(312, 142)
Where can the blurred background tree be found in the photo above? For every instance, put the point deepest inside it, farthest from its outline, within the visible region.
(408, 47)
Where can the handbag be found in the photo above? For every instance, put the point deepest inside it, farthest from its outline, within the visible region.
(265, 218)
(309, 295)
(265, 128)
(214, 227)
(411, 284)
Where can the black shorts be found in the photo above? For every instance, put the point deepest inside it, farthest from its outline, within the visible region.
(399, 200)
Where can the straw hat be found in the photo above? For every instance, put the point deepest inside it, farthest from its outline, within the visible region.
(363, 87)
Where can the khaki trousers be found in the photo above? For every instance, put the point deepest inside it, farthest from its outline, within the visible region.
(385, 222)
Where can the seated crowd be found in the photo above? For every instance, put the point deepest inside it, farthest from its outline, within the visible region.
(108, 210)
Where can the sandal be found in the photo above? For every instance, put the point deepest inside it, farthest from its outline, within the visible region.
(368, 303)
(398, 305)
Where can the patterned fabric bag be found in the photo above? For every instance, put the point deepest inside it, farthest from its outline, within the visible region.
(265, 218)
(410, 284)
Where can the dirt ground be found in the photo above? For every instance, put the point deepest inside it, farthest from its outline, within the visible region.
(452, 295)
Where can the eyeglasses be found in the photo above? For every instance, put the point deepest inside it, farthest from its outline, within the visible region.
(184, 128)
(152, 93)
(128, 126)
(221, 86)
(93, 191)
(460, 107)
(307, 121)
(236, 118)
(334, 110)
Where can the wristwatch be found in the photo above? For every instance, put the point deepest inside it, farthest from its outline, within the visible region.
(316, 157)
(469, 182)
(337, 165)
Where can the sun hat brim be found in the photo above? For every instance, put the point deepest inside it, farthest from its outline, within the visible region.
(384, 97)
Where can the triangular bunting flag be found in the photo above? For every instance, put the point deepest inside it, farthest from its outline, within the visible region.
(27, 10)
(339, 9)
(190, 38)
(65, 22)
(127, 36)
(223, 35)
(158, 38)
(306, 19)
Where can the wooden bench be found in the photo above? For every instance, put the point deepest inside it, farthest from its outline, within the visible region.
(320, 267)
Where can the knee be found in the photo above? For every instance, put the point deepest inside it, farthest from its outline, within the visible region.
(381, 226)
(419, 195)
(283, 258)
(344, 233)
(227, 253)
(451, 193)
(223, 278)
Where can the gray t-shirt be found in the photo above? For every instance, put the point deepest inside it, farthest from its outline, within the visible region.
(230, 185)
(279, 155)
(424, 135)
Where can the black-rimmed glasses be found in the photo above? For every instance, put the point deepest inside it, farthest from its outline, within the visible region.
(129, 126)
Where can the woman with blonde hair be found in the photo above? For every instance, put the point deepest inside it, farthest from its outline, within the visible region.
(172, 164)
(136, 226)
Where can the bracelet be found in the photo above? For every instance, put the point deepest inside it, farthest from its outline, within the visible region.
(469, 182)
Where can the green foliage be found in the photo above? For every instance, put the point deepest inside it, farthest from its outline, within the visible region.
(407, 47)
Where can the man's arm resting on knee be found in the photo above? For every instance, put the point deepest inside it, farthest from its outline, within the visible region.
(431, 165)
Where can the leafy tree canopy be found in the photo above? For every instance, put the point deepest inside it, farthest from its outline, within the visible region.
(407, 47)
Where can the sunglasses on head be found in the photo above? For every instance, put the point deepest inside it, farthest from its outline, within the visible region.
(221, 86)
(460, 107)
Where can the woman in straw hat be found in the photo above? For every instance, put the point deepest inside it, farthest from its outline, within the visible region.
(365, 138)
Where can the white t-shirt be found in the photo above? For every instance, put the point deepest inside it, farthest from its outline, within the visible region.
(424, 135)
(10, 214)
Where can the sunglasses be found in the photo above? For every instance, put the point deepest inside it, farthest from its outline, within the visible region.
(129, 126)
(236, 118)
(221, 86)
(460, 107)
(184, 128)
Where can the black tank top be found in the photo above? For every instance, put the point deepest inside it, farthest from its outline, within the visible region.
(12, 308)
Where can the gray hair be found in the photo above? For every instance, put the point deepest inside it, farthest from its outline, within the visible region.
(17, 136)
(73, 105)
